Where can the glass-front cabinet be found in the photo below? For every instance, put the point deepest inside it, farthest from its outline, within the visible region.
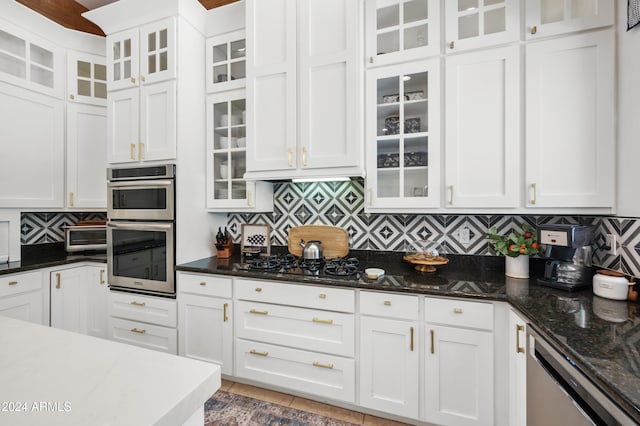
(226, 155)
(551, 17)
(226, 63)
(403, 137)
(401, 30)
(87, 78)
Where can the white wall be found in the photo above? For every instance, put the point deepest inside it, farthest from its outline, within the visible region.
(224, 19)
(628, 125)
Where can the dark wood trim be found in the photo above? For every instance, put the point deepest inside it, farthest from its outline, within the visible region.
(210, 4)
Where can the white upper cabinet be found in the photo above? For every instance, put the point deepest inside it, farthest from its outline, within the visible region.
(226, 62)
(401, 30)
(570, 129)
(86, 78)
(303, 90)
(471, 24)
(482, 147)
(403, 137)
(143, 55)
(551, 17)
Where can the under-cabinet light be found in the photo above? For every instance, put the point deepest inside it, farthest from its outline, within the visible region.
(319, 179)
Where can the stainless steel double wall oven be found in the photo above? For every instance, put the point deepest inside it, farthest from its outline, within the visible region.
(141, 229)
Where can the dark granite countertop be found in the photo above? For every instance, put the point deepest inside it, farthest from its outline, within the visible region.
(601, 336)
(46, 256)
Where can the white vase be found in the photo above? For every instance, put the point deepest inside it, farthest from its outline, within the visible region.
(517, 267)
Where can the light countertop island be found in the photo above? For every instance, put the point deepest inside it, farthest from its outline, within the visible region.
(55, 377)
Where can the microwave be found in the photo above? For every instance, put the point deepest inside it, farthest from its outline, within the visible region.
(85, 238)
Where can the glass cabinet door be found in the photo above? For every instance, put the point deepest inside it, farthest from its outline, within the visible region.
(226, 63)
(87, 78)
(227, 149)
(157, 51)
(551, 17)
(399, 30)
(404, 169)
(122, 59)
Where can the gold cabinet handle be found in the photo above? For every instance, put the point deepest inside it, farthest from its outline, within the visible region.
(321, 321)
(254, 352)
(319, 364)
(203, 283)
(304, 156)
(387, 303)
(225, 318)
(57, 280)
(101, 276)
(411, 334)
(433, 337)
(248, 198)
(133, 80)
(132, 148)
(370, 59)
(322, 296)
(135, 330)
(134, 303)
(142, 79)
(519, 349)
(457, 310)
(72, 97)
(141, 151)
(258, 289)
(450, 195)
(534, 29)
(253, 311)
(534, 188)
(289, 157)
(71, 199)
(451, 45)
(13, 282)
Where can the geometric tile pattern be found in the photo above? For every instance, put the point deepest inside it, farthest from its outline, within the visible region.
(40, 228)
(342, 204)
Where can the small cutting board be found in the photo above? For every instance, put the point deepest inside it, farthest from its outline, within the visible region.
(335, 240)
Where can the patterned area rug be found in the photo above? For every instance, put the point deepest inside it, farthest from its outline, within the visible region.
(228, 409)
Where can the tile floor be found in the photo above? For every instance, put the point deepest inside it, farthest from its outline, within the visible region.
(306, 405)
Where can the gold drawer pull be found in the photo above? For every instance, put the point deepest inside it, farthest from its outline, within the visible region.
(321, 321)
(224, 312)
(135, 330)
(254, 352)
(102, 277)
(132, 156)
(457, 310)
(134, 303)
(411, 332)
(203, 283)
(433, 348)
(13, 282)
(258, 289)
(323, 296)
(318, 364)
(519, 349)
(253, 311)
(387, 303)
(57, 280)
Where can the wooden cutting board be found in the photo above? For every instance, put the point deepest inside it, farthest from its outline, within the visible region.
(335, 240)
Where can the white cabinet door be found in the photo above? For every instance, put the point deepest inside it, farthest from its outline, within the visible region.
(389, 366)
(158, 111)
(470, 24)
(482, 148)
(517, 370)
(271, 84)
(123, 125)
(205, 330)
(122, 59)
(21, 297)
(86, 156)
(158, 51)
(401, 30)
(570, 128)
(552, 17)
(32, 160)
(86, 78)
(458, 376)
(403, 137)
(98, 292)
(69, 300)
(226, 62)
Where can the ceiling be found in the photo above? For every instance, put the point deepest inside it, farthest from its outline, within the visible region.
(68, 13)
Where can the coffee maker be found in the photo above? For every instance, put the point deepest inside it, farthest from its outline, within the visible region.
(568, 248)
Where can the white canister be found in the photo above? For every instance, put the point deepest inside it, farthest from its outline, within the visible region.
(611, 286)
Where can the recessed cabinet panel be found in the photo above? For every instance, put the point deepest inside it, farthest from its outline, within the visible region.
(158, 121)
(271, 41)
(328, 28)
(123, 125)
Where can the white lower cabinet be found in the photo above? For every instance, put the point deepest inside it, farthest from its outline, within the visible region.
(141, 320)
(205, 326)
(517, 370)
(21, 297)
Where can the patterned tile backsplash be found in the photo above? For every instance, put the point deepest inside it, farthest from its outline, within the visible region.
(342, 204)
(41, 228)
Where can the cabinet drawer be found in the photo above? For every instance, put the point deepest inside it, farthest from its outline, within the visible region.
(148, 336)
(322, 331)
(331, 299)
(324, 375)
(206, 285)
(389, 305)
(459, 313)
(137, 307)
(20, 283)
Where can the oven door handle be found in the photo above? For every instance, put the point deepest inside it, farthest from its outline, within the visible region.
(141, 183)
(141, 226)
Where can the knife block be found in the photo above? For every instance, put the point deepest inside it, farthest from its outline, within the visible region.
(225, 250)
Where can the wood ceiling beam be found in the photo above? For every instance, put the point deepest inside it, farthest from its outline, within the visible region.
(210, 4)
(67, 13)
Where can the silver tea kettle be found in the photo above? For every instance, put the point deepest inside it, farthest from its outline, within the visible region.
(311, 250)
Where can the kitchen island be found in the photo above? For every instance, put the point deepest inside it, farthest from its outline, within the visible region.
(51, 376)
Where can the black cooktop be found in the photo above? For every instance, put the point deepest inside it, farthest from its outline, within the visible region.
(346, 267)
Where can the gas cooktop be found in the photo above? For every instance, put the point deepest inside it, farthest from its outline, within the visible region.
(346, 267)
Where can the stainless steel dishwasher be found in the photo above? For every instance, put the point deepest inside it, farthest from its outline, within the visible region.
(559, 394)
